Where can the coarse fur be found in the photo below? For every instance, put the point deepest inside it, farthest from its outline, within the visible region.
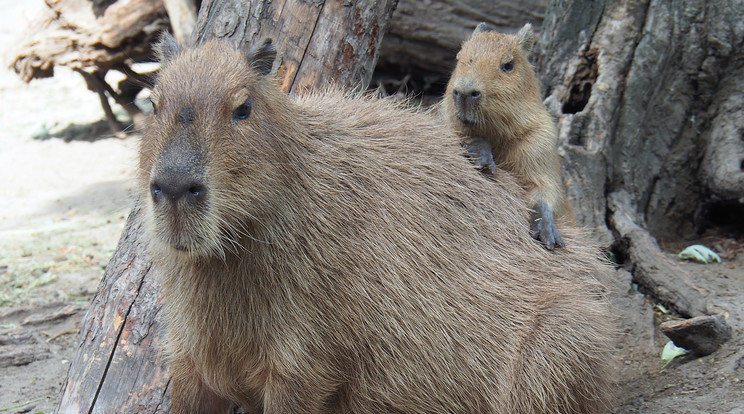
(334, 253)
(493, 95)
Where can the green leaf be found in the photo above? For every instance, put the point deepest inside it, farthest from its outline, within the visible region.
(662, 308)
(670, 352)
(699, 253)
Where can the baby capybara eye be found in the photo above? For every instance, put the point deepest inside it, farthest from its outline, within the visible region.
(508, 66)
(243, 111)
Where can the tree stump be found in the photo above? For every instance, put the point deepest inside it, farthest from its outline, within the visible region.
(120, 366)
(645, 93)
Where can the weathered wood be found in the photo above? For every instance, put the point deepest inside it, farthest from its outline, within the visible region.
(651, 269)
(641, 92)
(88, 35)
(92, 38)
(428, 34)
(723, 162)
(319, 42)
(641, 89)
(182, 16)
(120, 366)
(701, 335)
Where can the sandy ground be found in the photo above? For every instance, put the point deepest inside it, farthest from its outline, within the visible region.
(62, 212)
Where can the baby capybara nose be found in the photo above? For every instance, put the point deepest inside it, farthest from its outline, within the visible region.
(466, 100)
(466, 97)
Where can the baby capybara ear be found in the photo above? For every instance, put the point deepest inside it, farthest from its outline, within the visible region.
(262, 56)
(167, 48)
(479, 29)
(527, 39)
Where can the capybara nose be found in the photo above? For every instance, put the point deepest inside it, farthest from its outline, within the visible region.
(466, 104)
(173, 185)
(179, 174)
(466, 98)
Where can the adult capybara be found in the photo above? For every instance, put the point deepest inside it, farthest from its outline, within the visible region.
(337, 254)
(493, 96)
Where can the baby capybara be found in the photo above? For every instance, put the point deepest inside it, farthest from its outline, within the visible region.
(336, 254)
(493, 95)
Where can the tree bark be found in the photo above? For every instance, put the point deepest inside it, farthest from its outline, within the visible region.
(120, 366)
(427, 34)
(319, 41)
(182, 17)
(646, 92)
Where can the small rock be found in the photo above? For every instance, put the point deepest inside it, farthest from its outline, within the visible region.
(701, 335)
(20, 355)
(26, 409)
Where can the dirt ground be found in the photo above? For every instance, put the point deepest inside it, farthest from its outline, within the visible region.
(712, 384)
(63, 209)
(65, 199)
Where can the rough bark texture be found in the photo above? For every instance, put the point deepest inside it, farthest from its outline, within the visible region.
(648, 99)
(182, 16)
(647, 94)
(319, 41)
(120, 366)
(427, 34)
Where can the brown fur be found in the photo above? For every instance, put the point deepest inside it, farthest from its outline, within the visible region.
(345, 258)
(510, 114)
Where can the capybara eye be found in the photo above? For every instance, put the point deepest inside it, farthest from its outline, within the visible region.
(243, 111)
(508, 66)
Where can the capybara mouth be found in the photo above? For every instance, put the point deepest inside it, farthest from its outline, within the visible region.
(189, 247)
(175, 233)
(467, 121)
(181, 247)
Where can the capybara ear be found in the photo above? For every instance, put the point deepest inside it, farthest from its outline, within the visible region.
(167, 48)
(262, 57)
(527, 39)
(479, 29)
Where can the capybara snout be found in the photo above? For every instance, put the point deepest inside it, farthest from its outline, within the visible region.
(467, 94)
(179, 175)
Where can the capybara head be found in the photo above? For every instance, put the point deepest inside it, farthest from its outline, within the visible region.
(492, 77)
(214, 116)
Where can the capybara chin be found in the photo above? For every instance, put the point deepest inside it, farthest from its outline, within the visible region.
(493, 95)
(336, 254)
